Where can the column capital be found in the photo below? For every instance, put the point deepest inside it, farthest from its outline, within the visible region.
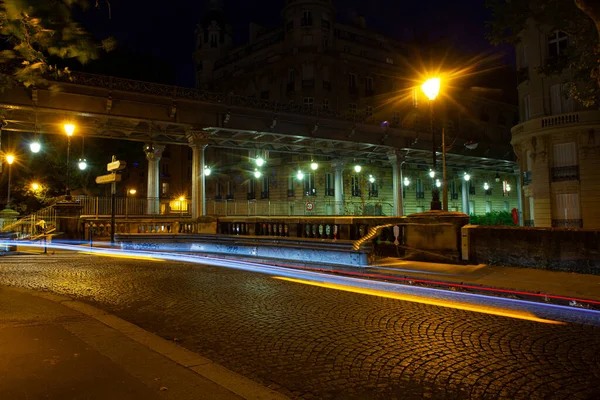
(197, 138)
(338, 164)
(396, 156)
(153, 151)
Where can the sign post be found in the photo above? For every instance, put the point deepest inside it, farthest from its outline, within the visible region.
(112, 178)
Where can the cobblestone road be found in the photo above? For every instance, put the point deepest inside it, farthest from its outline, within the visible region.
(310, 342)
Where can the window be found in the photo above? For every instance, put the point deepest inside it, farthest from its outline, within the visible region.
(505, 188)
(526, 108)
(325, 104)
(306, 18)
(229, 190)
(568, 104)
(251, 189)
(265, 94)
(369, 84)
(352, 81)
(290, 26)
(566, 207)
(555, 99)
(488, 206)
(265, 188)
(308, 71)
(506, 206)
(564, 165)
(352, 108)
(557, 44)
(369, 111)
(453, 191)
(346, 49)
(291, 76)
(325, 24)
(329, 184)
(419, 188)
(218, 192)
(415, 97)
(309, 185)
(355, 186)
(372, 189)
(307, 40)
(291, 192)
(471, 207)
(325, 41)
(524, 56)
(471, 187)
(165, 188)
(309, 102)
(165, 169)
(326, 77)
(389, 60)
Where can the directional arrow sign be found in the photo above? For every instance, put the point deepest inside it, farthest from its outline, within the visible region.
(110, 178)
(116, 165)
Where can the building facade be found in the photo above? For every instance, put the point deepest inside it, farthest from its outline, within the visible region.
(557, 141)
(322, 67)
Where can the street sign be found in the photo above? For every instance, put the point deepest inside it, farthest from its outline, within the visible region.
(110, 178)
(116, 165)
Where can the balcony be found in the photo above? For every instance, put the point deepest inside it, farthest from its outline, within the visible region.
(526, 178)
(561, 174)
(567, 223)
(582, 120)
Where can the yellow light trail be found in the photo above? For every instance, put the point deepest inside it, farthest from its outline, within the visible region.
(132, 257)
(423, 300)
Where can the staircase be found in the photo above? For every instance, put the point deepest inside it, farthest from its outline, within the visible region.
(27, 228)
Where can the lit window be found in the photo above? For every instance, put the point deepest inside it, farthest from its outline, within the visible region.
(165, 188)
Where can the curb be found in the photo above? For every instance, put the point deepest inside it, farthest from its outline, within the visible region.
(232, 381)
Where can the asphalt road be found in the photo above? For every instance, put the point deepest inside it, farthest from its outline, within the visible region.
(314, 342)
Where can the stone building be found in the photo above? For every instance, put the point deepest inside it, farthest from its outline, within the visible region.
(320, 67)
(557, 141)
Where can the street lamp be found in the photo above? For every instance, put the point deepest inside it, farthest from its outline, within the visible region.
(10, 159)
(314, 166)
(82, 164)
(181, 199)
(35, 146)
(260, 161)
(431, 88)
(357, 168)
(132, 192)
(35, 186)
(207, 170)
(69, 129)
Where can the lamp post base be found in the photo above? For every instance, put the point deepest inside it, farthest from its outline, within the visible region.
(435, 200)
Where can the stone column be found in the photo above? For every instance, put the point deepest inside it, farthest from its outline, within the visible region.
(338, 186)
(465, 197)
(153, 155)
(198, 141)
(396, 158)
(520, 196)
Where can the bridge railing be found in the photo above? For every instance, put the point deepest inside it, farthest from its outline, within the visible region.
(307, 207)
(32, 225)
(133, 206)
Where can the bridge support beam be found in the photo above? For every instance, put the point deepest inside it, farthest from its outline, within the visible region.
(153, 155)
(338, 186)
(198, 142)
(397, 159)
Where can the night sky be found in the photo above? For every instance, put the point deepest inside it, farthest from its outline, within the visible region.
(165, 30)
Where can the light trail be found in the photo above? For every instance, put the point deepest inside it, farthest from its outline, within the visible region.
(542, 311)
(423, 300)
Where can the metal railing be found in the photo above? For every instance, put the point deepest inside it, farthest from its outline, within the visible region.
(133, 206)
(297, 207)
(567, 223)
(569, 173)
(32, 224)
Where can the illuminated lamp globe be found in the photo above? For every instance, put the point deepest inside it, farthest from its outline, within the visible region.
(35, 187)
(10, 159)
(82, 164)
(406, 182)
(371, 179)
(300, 175)
(431, 88)
(357, 168)
(257, 173)
(207, 171)
(314, 166)
(35, 147)
(467, 177)
(260, 161)
(438, 183)
(507, 187)
(486, 186)
(69, 129)
(431, 173)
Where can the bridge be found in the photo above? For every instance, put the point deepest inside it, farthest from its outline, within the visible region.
(156, 115)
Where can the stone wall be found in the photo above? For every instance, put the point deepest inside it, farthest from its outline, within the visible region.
(573, 250)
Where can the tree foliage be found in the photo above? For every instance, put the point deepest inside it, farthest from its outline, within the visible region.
(37, 32)
(582, 57)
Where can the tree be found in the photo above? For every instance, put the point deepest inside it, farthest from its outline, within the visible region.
(578, 18)
(38, 32)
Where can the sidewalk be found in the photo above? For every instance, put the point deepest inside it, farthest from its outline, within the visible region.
(55, 348)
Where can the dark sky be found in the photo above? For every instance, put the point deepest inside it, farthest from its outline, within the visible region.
(165, 29)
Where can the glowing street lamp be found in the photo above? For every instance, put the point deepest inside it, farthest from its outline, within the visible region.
(406, 181)
(357, 168)
(132, 192)
(35, 186)
(314, 166)
(432, 173)
(300, 175)
(207, 170)
(69, 129)
(82, 164)
(260, 161)
(181, 199)
(257, 173)
(431, 88)
(467, 177)
(371, 179)
(35, 146)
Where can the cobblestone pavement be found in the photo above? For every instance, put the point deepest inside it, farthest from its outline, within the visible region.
(312, 343)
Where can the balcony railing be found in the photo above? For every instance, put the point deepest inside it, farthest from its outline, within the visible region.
(567, 223)
(570, 173)
(526, 178)
(298, 207)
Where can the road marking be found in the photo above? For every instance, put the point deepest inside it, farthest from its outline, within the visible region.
(131, 257)
(415, 299)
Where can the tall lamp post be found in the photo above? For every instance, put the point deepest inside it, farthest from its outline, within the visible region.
(431, 88)
(9, 159)
(69, 129)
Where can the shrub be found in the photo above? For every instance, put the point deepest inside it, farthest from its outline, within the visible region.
(493, 218)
